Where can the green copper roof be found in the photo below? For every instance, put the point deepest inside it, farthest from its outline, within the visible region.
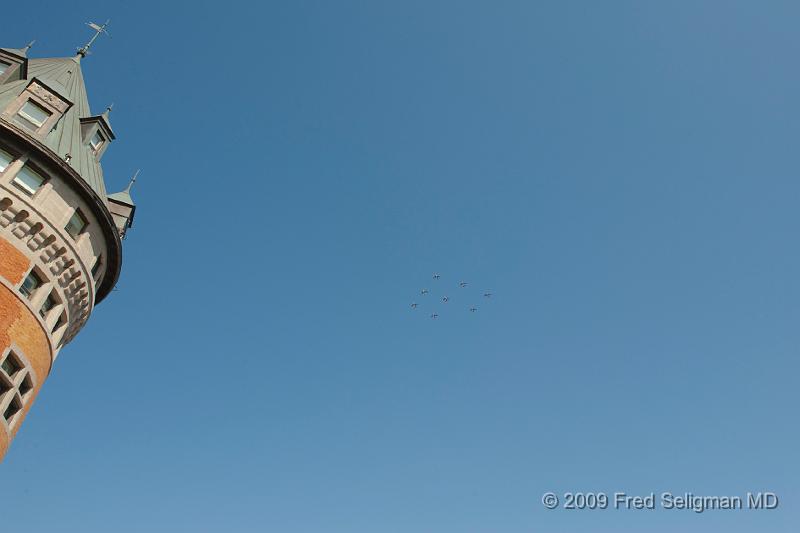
(19, 52)
(123, 197)
(64, 76)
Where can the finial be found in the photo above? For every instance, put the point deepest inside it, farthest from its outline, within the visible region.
(84, 50)
(29, 46)
(133, 180)
(110, 107)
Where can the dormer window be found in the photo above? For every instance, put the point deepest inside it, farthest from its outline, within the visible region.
(77, 223)
(97, 133)
(37, 109)
(28, 180)
(96, 142)
(13, 65)
(32, 116)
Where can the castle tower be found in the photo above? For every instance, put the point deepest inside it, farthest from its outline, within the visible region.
(60, 232)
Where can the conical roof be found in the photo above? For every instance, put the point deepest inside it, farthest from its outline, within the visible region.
(19, 52)
(123, 197)
(64, 76)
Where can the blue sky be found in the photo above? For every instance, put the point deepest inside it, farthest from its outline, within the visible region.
(624, 178)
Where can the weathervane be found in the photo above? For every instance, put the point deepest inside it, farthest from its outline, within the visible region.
(84, 51)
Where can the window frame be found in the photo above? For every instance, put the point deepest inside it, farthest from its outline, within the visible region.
(77, 213)
(18, 366)
(61, 321)
(6, 385)
(53, 301)
(96, 148)
(25, 385)
(41, 282)
(23, 186)
(17, 388)
(30, 119)
(15, 404)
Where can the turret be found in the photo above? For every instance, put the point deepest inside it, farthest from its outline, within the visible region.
(122, 207)
(60, 233)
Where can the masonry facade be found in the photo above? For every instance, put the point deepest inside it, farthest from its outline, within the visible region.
(60, 231)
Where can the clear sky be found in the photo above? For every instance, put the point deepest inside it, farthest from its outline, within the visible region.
(622, 175)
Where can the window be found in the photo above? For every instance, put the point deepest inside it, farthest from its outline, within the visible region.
(16, 385)
(77, 223)
(49, 303)
(62, 319)
(28, 180)
(31, 283)
(12, 409)
(96, 141)
(32, 116)
(11, 365)
(26, 385)
(3, 67)
(5, 160)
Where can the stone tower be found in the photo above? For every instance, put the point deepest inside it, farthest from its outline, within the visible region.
(60, 231)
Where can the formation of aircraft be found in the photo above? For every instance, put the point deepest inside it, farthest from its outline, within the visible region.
(446, 299)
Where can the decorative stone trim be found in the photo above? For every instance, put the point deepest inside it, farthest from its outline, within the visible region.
(58, 103)
(18, 141)
(54, 254)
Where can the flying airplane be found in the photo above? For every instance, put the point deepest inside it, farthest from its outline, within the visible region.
(487, 294)
(434, 315)
(462, 284)
(445, 299)
(424, 291)
(414, 305)
(473, 309)
(436, 276)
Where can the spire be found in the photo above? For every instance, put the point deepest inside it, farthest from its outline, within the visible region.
(125, 195)
(21, 52)
(133, 180)
(107, 112)
(98, 29)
